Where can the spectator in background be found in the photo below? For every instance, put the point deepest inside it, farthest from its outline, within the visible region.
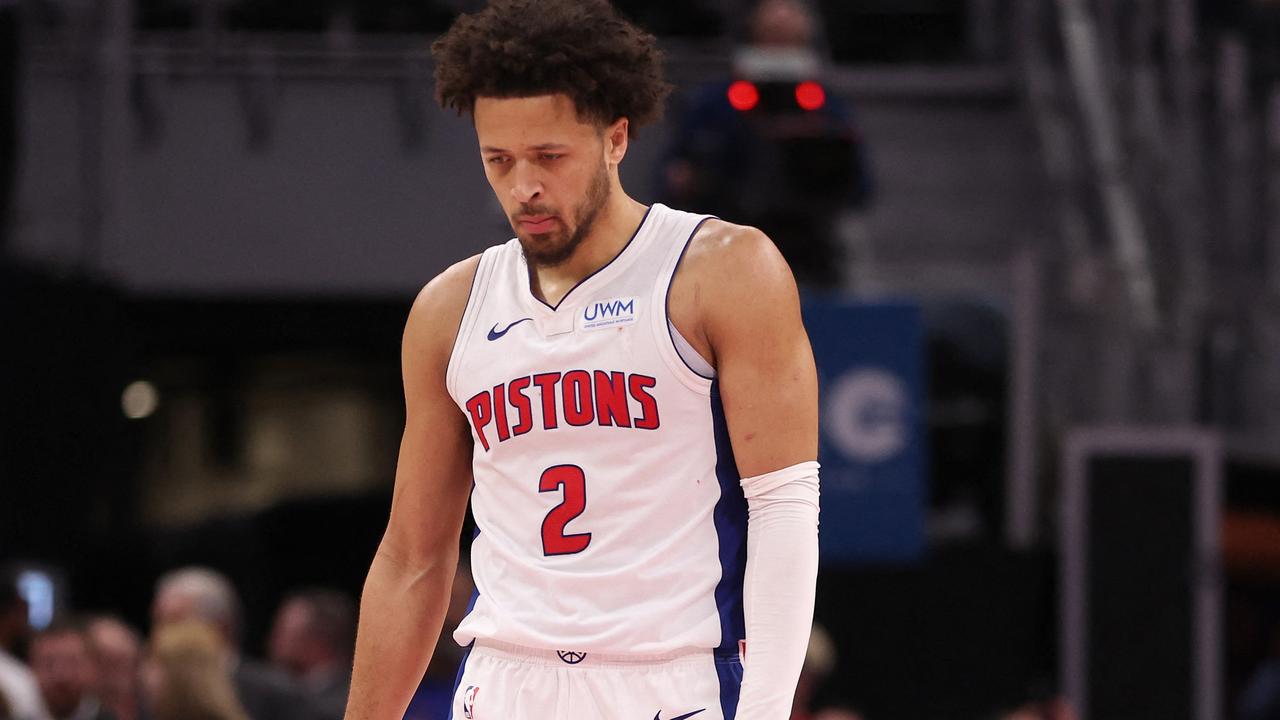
(795, 172)
(185, 675)
(17, 683)
(117, 651)
(66, 673)
(783, 24)
(197, 593)
(312, 639)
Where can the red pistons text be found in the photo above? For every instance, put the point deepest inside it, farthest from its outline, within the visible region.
(577, 398)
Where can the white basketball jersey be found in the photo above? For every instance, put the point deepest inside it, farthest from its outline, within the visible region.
(608, 507)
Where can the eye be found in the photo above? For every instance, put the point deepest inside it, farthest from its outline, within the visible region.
(551, 156)
(497, 160)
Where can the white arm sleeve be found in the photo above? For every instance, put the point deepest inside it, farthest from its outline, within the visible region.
(781, 574)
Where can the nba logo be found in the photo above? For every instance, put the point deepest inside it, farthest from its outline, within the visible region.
(469, 702)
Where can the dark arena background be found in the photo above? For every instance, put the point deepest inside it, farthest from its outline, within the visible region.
(1038, 243)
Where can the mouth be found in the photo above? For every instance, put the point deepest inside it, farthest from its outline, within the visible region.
(535, 224)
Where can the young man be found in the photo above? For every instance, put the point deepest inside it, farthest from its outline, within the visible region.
(616, 389)
(63, 665)
(311, 641)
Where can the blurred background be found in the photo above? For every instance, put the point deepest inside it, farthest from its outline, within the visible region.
(1038, 240)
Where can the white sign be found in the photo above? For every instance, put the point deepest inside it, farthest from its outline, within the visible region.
(868, 414)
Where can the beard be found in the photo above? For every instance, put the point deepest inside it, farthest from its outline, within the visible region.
(553, 248)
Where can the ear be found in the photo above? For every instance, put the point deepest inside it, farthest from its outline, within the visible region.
(616, 138)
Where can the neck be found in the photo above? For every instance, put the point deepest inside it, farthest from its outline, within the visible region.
(617, 222)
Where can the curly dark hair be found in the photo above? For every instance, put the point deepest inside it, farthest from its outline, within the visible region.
(581, 48)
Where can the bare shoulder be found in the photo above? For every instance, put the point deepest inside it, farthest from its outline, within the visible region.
(734, 268)
(433, 320)
(721, 250)
(731, 282)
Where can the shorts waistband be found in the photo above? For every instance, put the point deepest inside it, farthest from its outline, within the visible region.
(577, 658)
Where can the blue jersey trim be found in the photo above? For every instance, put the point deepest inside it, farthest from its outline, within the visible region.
(729, 673)
(598, 270)
(730, 517)
(462, 667)
(471, 292)
(666, 302)
(471, 605)
(458, 339)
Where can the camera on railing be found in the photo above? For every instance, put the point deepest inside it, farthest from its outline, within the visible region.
(776, 82)
(781, 94)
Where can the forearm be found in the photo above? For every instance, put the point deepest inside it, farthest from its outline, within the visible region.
(782, 567)
(401, 611)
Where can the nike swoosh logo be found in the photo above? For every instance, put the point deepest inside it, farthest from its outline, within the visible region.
(681, 717)
(494, 334)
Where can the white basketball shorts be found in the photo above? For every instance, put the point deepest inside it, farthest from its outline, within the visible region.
(505, 682)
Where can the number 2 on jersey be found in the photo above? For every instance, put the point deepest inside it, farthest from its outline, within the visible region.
(574, 482)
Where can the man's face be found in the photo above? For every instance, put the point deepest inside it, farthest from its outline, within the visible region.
(291, 644)
(171, 606)
(782, 24)
(118, 656)
(63, 669)
(549, 169)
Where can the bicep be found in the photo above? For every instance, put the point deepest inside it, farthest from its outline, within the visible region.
(433, 469)
(768, 381)
(433, 481)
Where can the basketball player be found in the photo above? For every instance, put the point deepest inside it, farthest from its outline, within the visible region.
(628, 398)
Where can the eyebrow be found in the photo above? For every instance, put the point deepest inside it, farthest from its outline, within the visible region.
(543, 146)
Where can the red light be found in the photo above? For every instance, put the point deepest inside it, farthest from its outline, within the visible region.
(743, 96)
(810, 96)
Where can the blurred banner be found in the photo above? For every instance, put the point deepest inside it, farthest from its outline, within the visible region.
(870, 370)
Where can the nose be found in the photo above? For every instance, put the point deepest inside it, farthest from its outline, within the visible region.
(527, 186)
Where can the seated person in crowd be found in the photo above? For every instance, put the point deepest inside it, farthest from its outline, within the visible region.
(186, 675)
(312, 640)
(66, 673)
(203, 594)
(117, 651)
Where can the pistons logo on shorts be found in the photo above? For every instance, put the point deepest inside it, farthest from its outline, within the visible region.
(469, 702)
(571, 657)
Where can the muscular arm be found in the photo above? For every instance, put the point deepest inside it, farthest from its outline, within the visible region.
(407, 590)
(738, 297)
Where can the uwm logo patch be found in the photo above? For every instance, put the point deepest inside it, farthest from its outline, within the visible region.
(608, 313)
